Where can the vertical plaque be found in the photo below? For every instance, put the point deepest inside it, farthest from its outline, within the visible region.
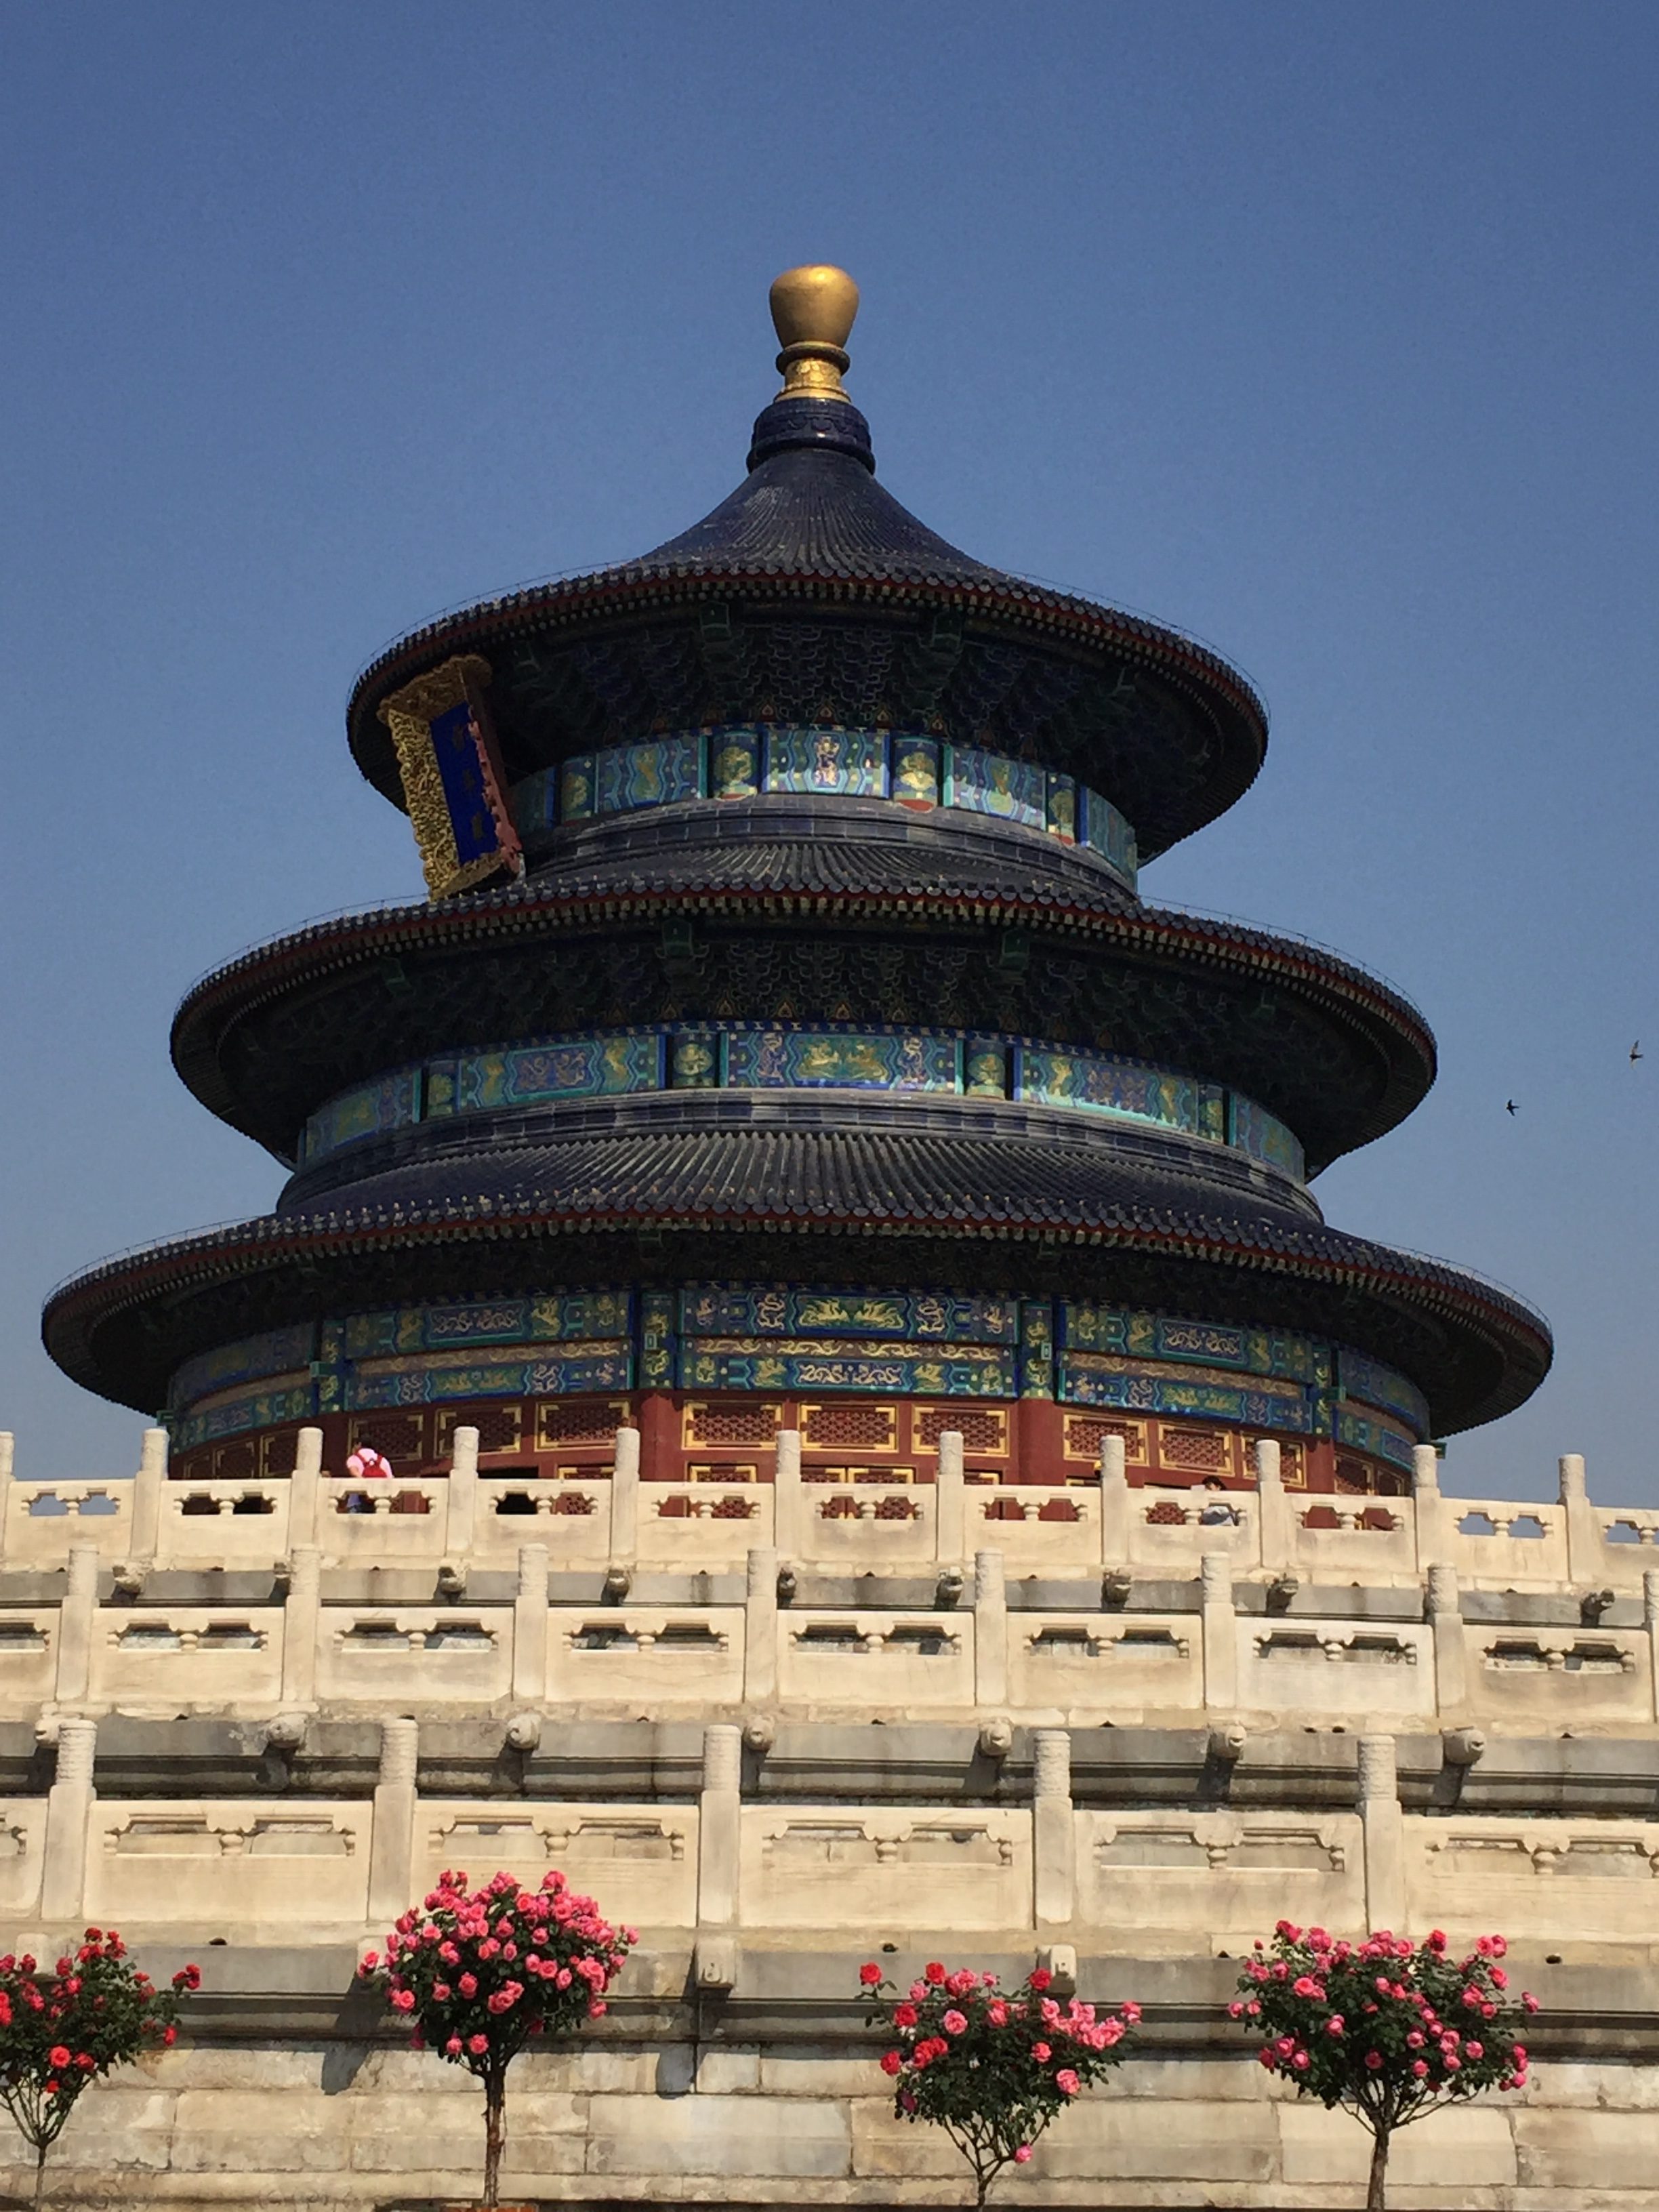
(451, 775)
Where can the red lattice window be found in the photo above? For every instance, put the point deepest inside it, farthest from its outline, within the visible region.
(856, 1428)
(399, 1435)
(1195, 1448)
(570, 1501)
(1086, 1432)
(281, 1453)
(1352, 1475)
(500, 1428)
(839, 1509)
(754, 1422)
(1166, 1514)
(980, 1430)
(1293, 1466)
(237, 1463)
(733, 1509)
(594, 1421)
(897, 1509)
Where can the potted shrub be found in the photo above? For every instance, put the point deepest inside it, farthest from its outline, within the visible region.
(991, 2067)
(1386, 2029)
(62, 2030)
(478, 1974)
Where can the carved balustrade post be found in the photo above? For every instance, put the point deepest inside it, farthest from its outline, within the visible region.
(719, 1843)
(1220, 1621)
(305, 1492)
(789, 1526)
(77, 1624)
(68, 1812)
(1585, 1561)
(302, 1623)
(990, 1633)
(391, 1847)
(1054, 1830)
(1452, 1656)
(1383, 1826)
(1115, 1533)
(760, 1629)
(950, 1501)
(529, 1627)
(461, 1497)
(148, 1486)
(1275, 1530)
(625, 1499)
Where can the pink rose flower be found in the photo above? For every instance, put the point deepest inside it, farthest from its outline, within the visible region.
(1067, 2083)
(954, 2023)
(1022, 2154)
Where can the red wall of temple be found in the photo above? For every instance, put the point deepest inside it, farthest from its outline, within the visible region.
(686, 1438)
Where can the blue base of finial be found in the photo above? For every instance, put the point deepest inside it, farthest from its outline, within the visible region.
(833, 423)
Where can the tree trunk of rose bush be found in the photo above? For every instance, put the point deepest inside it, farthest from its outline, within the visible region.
(1376, 2195)
(495, 2135)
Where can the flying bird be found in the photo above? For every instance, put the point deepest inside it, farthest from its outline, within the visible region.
(1636, 1052)
(1511, 1107)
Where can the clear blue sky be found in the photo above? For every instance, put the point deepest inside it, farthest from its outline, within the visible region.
(1326, 332)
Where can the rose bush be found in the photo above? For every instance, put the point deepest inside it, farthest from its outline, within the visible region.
(1385, 2028)
(478, 1974)
(62, 2030)
(991, 2067)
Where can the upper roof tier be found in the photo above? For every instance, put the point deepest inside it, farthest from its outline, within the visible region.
(811, 595)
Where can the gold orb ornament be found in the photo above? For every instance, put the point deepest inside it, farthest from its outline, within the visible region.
(812, 313)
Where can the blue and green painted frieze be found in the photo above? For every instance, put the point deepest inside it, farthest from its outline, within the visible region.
(749, 760)
(784, 1337)
(796, 1055)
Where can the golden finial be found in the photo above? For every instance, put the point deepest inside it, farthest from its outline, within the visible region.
(812, 311)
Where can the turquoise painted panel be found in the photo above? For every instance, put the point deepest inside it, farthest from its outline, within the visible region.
(734, 762)
(783, 1367)
(1377, 1385)
(276, 1352)
(391, 1101)
(1087, 1382)
(985, 1068)
(1121, 1087)
(1263, 1137)
(1062, 811)
(659, 772)
(800, 1059)
(576, 1067)
(535, 803)
(263, 1410)
(730, 1309)
(1382, 1441)
(694, 1059)
(853, 763)
(913, 773)
(576, 789)
(991, 783)
(431, 1382)
(1086, 1327)
(1104, 830)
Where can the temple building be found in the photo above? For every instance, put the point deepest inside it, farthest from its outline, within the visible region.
(786, 1047)
(797, 1373)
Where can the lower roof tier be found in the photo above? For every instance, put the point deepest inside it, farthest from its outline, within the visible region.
(1030, 1216)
